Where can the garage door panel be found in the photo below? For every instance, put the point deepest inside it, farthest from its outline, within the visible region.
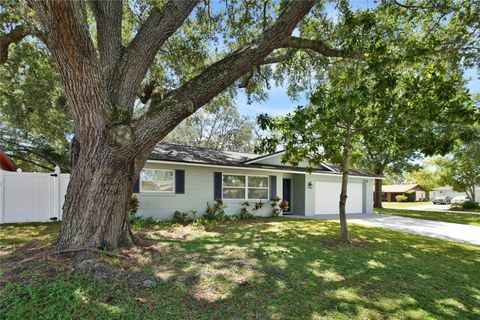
(327, 194)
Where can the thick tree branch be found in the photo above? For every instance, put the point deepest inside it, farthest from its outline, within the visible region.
(65, 30)
(14, 36)
(178, 104)
(139, 55)
(319, 47)
(108, 15)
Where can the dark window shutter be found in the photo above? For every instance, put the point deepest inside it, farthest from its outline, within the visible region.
(179, 181)
(217, 185)
(273, 186)
(136, 186)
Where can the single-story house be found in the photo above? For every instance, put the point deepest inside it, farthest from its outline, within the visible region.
(390, 191)
(448, 191)
(6, 163)
(185, 178)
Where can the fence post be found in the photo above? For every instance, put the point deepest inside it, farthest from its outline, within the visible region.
(2, 203)
(56, 192)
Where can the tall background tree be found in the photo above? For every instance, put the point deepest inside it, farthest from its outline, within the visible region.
(217, 126)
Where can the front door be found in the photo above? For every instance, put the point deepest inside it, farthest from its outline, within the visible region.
(287, 193)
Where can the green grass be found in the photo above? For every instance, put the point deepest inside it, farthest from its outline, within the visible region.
(400, 205)
(454, 217)
(384, 275)
(466, 210)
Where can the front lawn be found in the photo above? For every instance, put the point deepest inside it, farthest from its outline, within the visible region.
(290, 269)
(454, 217)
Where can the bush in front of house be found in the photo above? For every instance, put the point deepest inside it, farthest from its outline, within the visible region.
(133, 204)
(215, 212)
(401, 198)
(180, 217)
(244, 213)
(275, 204)
(470, 205)
(141, 223)
(411, 196)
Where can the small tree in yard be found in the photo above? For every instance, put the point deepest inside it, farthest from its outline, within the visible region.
(330, 128)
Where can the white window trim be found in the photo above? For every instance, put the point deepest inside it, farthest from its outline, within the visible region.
(246, 186)
(158, 192)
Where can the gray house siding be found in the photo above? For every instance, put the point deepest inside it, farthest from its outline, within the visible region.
(199, 189)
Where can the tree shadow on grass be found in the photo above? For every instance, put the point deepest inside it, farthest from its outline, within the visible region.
(385, 274)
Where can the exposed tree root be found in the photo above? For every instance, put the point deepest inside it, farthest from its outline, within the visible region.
(93, 250)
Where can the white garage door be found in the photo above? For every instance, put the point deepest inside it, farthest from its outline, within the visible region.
(327, 195)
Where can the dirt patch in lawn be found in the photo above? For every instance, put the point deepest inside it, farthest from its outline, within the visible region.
(31, 262)
(176, 233)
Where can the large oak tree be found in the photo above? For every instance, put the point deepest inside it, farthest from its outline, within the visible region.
(103, 68)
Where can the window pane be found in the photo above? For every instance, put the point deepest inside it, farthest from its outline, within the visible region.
(233, 181)
(257, 193)
(157, 175)
(157, 186)
(233, 193)
(261, 182)
(157, 180)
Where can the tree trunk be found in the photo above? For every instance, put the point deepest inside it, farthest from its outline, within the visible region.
(343, 194)
(97, 201)
(342, 206)
(470, 191)
(377, 199)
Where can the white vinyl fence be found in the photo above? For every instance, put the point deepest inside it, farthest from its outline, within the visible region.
(31, 196)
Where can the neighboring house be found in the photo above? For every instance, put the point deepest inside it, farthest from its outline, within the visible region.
(448, 191)
(5, 162)
(186, 178)
(391, 191)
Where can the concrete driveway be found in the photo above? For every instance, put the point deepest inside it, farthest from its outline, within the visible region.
(436, 229)
(436, 208)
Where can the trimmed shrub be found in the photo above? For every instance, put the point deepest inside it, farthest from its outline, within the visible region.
(401, 198)
(470, 205)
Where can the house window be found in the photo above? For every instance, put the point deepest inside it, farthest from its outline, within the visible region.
(233, 187)
(257, 187)
(245, 187)
(157, 180)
